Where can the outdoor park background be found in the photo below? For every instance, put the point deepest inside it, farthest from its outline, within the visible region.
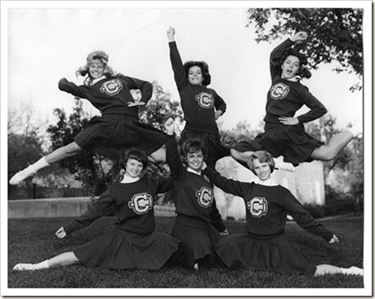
(46, 44)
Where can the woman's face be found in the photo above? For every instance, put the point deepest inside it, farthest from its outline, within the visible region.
(195, 76)
(96, 68)
(133, 168)
(290, 67)
(195, 160)
(262, 170)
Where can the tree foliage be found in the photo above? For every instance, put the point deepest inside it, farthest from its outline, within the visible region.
(335, 34)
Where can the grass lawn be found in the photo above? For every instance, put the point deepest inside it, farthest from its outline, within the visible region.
(33, 240)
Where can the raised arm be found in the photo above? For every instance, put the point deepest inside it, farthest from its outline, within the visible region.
(70, 87)
(276, 53)
(176, 61)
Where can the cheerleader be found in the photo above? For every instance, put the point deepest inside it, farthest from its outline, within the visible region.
(201, 105)
(117, 129)
(284, 134)
(133, 244)
(194, 200)
(264, 247)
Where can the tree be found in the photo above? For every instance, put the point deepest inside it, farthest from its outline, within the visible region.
(335, 34)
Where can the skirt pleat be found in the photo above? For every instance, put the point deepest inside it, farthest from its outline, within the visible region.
(197, 243)
(124, 250)
(242, 251)
(110, 136)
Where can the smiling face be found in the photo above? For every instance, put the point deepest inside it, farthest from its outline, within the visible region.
(195, 75)
(96, 69)
(262, 170)
(290, 67)
(195, 160)
(133, 168)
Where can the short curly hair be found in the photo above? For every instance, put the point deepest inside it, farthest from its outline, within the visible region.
(103, 57)
(204, 68)
(263, 157)
(136, 154)
(192, 145)
(303, 72)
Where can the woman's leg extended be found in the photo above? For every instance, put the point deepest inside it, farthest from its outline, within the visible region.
(57, 155)
(64, 259)
(330, 150)
(240, 156)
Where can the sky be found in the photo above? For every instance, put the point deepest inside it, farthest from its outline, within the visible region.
(42, 42)
(47, 44)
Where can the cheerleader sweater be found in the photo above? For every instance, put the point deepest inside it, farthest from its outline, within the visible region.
(194, 200)
(267, 208)
(285, 97)
(198, 102)
(110, 95)
(132, 204)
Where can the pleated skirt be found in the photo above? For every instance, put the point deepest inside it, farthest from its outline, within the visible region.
(120, 249)
(111, 135)
(242, 251)
(197, 244)
(292, 142)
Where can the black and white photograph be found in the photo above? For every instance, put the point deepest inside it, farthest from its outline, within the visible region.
(186, 148)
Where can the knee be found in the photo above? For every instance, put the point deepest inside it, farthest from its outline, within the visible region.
(72, 148)
(235, 154)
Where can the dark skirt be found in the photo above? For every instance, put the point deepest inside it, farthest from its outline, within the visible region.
(242, 251)
(120, 249)
(197, 244)
(291, 142)
(215, 150)
(110, 135)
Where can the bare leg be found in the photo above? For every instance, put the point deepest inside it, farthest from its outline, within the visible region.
(57, 155)
(64, 259)
(330, 150)
(63, 152)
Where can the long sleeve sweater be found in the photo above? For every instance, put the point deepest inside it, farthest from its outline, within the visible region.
(267, 208)
(198, 102)
(133, 206)
(110, 95)
(195, 202)
(285, 97)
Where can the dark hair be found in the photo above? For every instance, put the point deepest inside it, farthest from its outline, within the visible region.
(193, 145)
(303, 72)
(263, 157)
(204, 68)
(135, 154)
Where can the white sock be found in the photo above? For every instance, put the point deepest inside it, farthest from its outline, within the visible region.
(42, 265)
(41, 163)
(352, 271)
(356, 129)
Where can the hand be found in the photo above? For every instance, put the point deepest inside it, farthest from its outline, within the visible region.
(134, 104)
(169, 126)
(334, 239)
(170, 33)
(60, 233)
(289, 121)
(224, 233)
(218, 113)
(299, 36)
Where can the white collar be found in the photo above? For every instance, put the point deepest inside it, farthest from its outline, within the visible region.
(97, 79)
(194, 171)
(127, 179)
(269, 182)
